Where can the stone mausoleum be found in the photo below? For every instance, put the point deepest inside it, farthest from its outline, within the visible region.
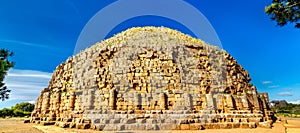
(152, 78)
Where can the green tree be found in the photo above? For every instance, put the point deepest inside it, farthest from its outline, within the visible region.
(24, 106)
(7, 112)
(5, 65)
(19, 110)
(18, 113)
(284, 11)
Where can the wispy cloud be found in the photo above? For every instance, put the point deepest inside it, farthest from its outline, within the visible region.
(25, 85)
(72, 4)
(288, 89)
(29, 73)
(266, 82)
(24, 43)
(285, 94)
(273, 86)
(295, 102)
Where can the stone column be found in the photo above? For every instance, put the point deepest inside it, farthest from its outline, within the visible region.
(38, 107)
(56, 103)
(188, 101)
(88, 101)
(256, 102)
(220, 102)
(245, 102)
(72, 101)
(162, 101)
(209, 101)
(45, 103)
(112, 100)
(229, 103)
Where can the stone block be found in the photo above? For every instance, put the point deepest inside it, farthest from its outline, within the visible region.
(244, 125)
(141, 126)
(63, 124)
(167, 126)
(27, 121)
(46, 123)
(195, 126)
(152, 127)
(266, 124)
(131, 121)
(252, 125)
(236, 125)
(185, 126)
(110, 127)
(100, 127)
(83, 126)
(72, 125)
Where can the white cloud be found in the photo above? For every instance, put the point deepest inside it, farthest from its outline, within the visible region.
(288, 89)
(273, 86)
(33, 102)
(25, 85)
(295, 102)
(266, 82)
(285, 94)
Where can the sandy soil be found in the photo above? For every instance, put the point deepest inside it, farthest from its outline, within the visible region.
(293, 125)
(16, 125)
(55, 129)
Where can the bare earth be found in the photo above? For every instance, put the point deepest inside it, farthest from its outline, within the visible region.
(293, 125)
(16, 125)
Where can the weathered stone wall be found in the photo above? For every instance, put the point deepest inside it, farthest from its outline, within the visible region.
(149, 79)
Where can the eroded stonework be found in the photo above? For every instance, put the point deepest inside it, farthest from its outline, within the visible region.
(152, 79)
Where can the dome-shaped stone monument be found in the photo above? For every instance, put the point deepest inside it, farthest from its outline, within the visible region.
(152, 78)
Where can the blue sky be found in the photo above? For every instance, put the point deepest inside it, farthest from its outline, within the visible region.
(43, 34)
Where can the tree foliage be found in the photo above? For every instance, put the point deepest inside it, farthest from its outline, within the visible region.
(282, 107)
(5, 65)
(19, 110)
(284, 12)
(24, 106)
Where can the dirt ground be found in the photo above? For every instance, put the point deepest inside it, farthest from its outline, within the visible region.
(16, 125)
(293, 125)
